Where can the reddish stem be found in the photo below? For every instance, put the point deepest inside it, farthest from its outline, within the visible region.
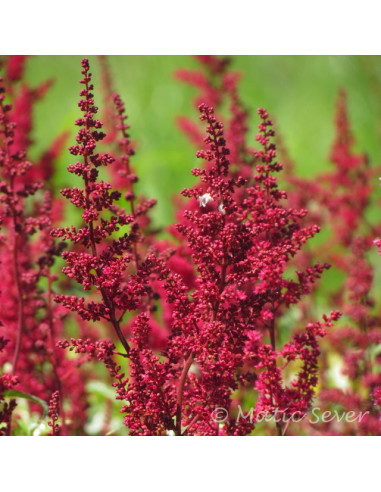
(180, 392)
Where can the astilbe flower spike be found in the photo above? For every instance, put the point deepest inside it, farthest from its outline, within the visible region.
(256, 241)
(13, 165)
(107, 115)
(101, 269)
(15, 67)
(218, 86)
(101, 258)
(124, 177)
(119, 267)
(29, 319)
(342, 199)
(53, 413)
(144, 241)
(240, 249)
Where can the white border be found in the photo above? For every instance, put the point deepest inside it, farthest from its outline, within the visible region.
(191, 464)
(174, 27)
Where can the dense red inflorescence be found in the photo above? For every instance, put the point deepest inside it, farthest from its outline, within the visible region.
(209, 331)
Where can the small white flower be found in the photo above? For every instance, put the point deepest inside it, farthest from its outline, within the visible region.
(204, 199)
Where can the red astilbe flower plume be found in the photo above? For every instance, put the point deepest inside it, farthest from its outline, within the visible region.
(107, 114)
(349, 184)
(13, 167)
(101, 256)
(15, 66)
(125, 178)
(144, 237)
(208, 84)
(24, 99)
(240, 249)
(356, 344)
(47, 160)
(122, 175)
(102, 269)
(28, 254)
(222, 84)
(116, 265)
(343, 197)
(22, 112)
(218, 86)
(18, 296)
(255, 241)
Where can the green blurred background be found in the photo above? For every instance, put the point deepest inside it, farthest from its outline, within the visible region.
(298, 91)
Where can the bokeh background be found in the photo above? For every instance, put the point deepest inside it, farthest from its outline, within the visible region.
(298, 91)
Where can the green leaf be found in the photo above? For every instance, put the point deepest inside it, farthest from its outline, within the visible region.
(27, 396)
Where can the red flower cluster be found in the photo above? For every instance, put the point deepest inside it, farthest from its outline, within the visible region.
(205, 324)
